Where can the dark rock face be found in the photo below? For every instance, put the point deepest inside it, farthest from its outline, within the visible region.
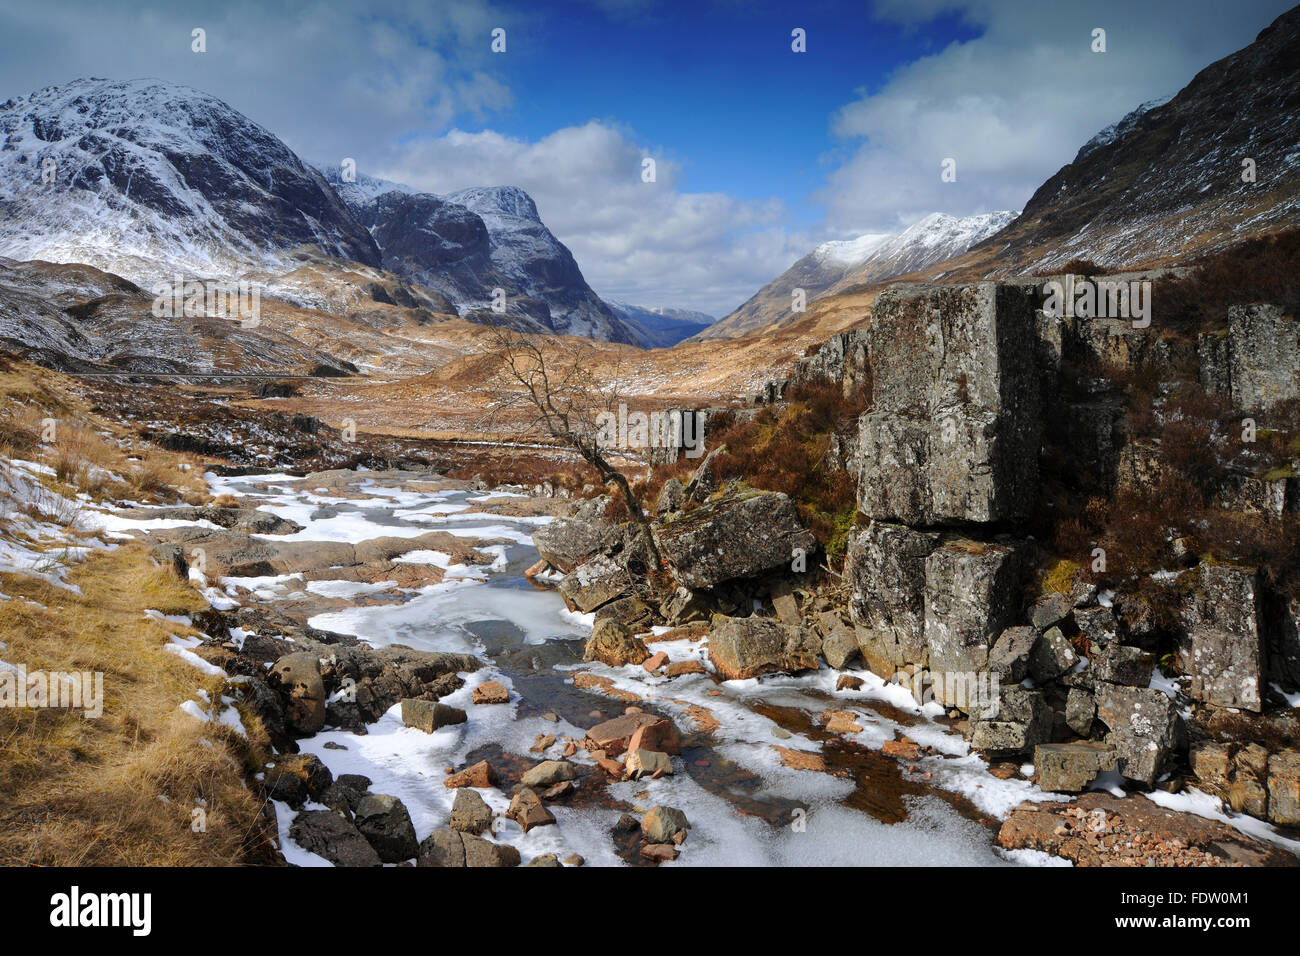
(733, 537)
(330, 835)
(953, 433)
(885, 568)
(385, 822)
(1256, 361)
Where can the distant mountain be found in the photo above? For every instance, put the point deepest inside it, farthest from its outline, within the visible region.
(469, 243)
(142, 178)
(835, 266)
(661, 328)
(1166, 181)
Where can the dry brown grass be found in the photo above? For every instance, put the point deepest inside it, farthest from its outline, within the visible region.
(118, 789)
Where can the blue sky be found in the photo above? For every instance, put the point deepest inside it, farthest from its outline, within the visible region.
(762, 153)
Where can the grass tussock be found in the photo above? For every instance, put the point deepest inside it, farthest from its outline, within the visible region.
(120, 789)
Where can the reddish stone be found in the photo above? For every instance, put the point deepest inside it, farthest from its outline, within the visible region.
(903, 749)
(655, 662)
(491, 692)
(659, 852)
(678, 668)
(480, 775)
(661, 736)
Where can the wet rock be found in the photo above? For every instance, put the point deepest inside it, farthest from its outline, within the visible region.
(469, 813)
(678, 668)
(654, 662)
(885, 568)
(331, 836)
(385, 822)
(972, 594)
(1010, 656)
(1145, 729)
(450, 848)
(1022, 721)
(546, 859)
(296, 778)
(613, 644)
(1223, 650)
(848, 682)
(1053, 655)
(1069, 768)
(735, 536)
(953, 434)
(615, 735)
(549, 772)
(429, 715)
(297, 679)
(741, 648)
(491, 692)
(662, 824)
(527, 809)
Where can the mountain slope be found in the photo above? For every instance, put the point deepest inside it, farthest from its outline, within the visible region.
(150, 177)
(836, 266)
(1166, 181)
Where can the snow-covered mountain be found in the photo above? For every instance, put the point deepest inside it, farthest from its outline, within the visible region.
(841, 264)
(466, 244)
(661, 328)
(142, 178)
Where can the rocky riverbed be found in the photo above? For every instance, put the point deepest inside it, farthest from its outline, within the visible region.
(431, 703)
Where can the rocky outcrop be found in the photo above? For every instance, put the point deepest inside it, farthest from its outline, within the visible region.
(735, 536)
(885, 570)
(1222, 649)
(953, 432)
(567, 542)
(1255, 362)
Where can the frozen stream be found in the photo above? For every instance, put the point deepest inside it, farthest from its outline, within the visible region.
(745, 805)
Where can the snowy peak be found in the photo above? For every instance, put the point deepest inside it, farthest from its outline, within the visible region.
(835, 266)
(139, 176)
(507, 202)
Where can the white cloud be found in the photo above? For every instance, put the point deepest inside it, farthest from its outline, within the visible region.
(1015, 104)
(645, 243)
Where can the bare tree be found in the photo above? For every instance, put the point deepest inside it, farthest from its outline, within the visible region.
(559, 395)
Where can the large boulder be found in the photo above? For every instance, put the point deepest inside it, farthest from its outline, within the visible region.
(734, 536)
(385, 822)
(745, 647)
(297, 679)
(1223, 649)
(1145, 729)
(953, 434)
(595, 583)
(614, 644)
(367, 681)
(330, 835)
(885, 569)
(972, 594)
(567, 542)
(455, 849)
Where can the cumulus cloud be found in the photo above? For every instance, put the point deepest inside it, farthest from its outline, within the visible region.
(643, 242)
(1014, 104)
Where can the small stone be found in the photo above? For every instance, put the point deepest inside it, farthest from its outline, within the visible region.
(546, 859)
(661, 823)
(429, 715)
(527, 810)
(561, 790)
(491, 692)
(848, 682)
(574, 859)
(659, 852)
(549, 772)
(678, 668)
(902, 749)
(641, 763)
(654, 662)
(841, 722)
(480, 776)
